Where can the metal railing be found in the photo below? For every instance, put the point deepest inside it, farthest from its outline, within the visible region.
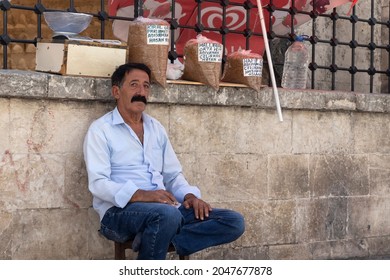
(378, 51)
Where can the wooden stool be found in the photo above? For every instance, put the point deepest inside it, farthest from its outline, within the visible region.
(120, 250)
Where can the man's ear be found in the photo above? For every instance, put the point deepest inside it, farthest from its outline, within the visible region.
(115, 92)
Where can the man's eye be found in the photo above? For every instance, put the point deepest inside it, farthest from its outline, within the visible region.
(134, 85)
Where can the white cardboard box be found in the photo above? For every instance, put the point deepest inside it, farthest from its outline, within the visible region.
(79, 58)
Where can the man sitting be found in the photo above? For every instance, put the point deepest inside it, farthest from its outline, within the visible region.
(137, 183)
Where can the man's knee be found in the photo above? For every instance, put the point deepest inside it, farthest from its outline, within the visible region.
(168, 216)
(239, 224)
(234, 221)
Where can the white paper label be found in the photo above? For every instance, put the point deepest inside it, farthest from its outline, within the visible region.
(253, 67)
(210, 52)
(157, 34)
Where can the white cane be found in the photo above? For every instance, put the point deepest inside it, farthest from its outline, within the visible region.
(269, 59)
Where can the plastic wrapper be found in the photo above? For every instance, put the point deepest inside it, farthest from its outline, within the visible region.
(148, 43)
(244, 67)
(203, 61)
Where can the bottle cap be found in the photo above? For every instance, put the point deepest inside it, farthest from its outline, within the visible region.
(301, 38)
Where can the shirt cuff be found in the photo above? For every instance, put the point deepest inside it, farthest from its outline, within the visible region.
(125, 193)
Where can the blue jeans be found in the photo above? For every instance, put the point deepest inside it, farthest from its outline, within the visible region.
(162, 224)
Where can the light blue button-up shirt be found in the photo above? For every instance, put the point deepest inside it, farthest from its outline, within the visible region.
(118, 164)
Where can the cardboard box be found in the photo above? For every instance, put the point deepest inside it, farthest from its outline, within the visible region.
(79, 58)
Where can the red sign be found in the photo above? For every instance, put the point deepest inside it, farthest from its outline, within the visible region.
(186, 13)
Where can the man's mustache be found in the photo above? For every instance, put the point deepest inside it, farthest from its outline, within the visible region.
(141, 98)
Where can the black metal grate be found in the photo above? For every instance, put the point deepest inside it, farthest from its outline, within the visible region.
(331, 46)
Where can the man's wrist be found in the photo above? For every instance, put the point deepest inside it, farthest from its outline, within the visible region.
(137, 195)
(188, 196)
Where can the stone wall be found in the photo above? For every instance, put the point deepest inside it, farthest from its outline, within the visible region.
(315, 186)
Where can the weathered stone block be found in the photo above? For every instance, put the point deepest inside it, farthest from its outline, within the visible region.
(220, 180)
(183, 121)
(191, 170)
(321, 219)
(320, 250)
(278, 225)
(349, 249)
(339, 100)
(76, 193)
(70, 122)
(379, 246)
(31, 126)
(260, 132)
(102, 90)
(5, 235)
(248, 253)
(215, 136)
(71, 87)
(236, 95)
(290, 252)
(367, 218)
(339, 175)
(162, 114)
(379, 104)
(298, 99)
(319, 132)
(33, 85)
(99, 247)
(160, 95)
(51, 127)
(50, 234)
(236, 131)
(379, 174)
(4, 127)
(253, 213)
(288, 177)
(195, 95)
(213, 253)
(365, 126)
(32, 181)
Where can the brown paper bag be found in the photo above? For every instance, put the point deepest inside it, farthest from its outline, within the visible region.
(148, 43)
(202, 61)
(244, 67)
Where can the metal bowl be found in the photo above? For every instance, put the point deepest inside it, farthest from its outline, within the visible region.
(67, 23)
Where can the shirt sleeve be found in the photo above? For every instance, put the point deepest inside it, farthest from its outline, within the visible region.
(97, 159)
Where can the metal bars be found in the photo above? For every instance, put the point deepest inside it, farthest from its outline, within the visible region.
(377, 52)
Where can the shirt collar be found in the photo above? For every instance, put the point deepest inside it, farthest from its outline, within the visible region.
(117, 118)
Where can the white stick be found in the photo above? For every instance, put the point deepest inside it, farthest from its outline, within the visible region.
(269, 59)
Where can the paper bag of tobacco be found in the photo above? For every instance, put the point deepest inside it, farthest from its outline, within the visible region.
(244, 67)
(202, 61)
(148, 43)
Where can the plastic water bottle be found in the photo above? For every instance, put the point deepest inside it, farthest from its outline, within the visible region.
(295, 65)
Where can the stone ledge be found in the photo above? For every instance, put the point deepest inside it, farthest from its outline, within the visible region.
(30, 84)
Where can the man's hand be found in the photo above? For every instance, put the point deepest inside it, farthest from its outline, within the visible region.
(160, 196)
(201, 208)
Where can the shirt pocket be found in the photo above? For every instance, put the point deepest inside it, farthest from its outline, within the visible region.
(126, 153)
(156, 159)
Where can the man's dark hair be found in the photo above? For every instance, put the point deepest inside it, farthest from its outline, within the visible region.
(119, 74)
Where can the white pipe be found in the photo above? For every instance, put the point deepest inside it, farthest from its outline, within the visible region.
(269, 59)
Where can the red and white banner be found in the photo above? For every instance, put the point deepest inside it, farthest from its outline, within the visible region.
(186, 13)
